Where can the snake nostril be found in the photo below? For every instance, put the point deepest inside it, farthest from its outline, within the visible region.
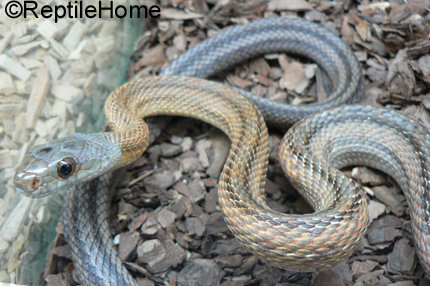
(35, 184)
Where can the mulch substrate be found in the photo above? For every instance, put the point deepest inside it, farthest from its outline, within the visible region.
(166, 221)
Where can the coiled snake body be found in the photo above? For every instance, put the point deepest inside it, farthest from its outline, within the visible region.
(342, 136)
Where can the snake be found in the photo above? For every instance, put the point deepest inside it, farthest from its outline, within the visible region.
(325, 137)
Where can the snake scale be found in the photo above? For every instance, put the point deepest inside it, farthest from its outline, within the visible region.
(332, 137)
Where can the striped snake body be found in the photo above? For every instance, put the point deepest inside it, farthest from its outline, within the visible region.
(338, 137)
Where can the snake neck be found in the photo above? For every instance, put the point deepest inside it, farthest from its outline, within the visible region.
(131, 143)
(99, 154)
(116, 149)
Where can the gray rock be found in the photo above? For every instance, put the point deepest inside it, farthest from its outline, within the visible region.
(173, 256)
(166, 217)
(391, 198)
(175, 139)
(218, 154)
(191, 164)
(368, 176)
(197, 191)
(202, 146)
(229, 261)
(169, 150)
(402, 259)
(186, 143)
(151, 252)
(194, 226)
(216, 224)
(328, 277)
(211, 200)
(162, 180)
(127, 243)
(229, 247)
(200, 272)
(150, 226)
(384, 230)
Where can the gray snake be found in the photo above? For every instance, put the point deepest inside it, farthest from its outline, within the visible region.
(338, 137)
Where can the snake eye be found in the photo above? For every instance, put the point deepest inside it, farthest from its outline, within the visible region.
(66, 168)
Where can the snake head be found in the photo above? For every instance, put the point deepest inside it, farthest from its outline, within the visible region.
(60, 164)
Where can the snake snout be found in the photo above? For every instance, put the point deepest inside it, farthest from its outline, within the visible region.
(27, 184)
